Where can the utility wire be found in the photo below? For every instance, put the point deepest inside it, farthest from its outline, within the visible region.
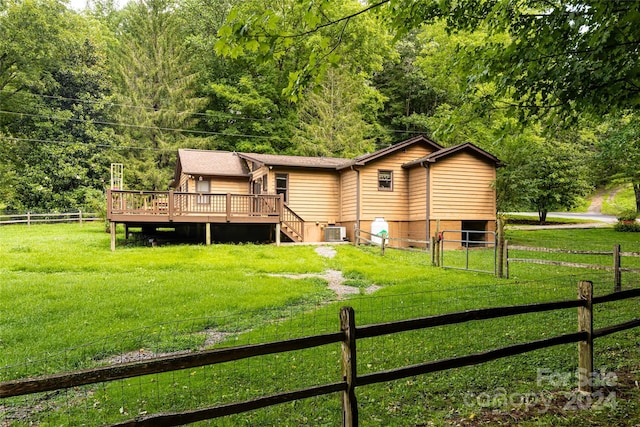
(139, 107)
(115, 147)
(128, 125)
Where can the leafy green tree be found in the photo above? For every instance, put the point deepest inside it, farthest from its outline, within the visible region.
(332, 118)
(619, 150)
(544, 174)
(559, 54)
(55, 142)
(305, 40)
(155, 78)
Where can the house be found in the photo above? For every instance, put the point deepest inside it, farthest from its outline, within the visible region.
(416, 186)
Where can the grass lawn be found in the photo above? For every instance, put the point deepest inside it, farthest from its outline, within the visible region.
(68, 302)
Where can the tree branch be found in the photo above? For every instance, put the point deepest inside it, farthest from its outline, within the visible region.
(336, 21)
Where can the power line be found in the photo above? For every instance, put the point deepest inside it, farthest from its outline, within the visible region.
(116, 147)
(128, 125)
(140, 107)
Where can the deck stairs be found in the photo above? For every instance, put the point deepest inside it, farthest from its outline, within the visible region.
(291, 225)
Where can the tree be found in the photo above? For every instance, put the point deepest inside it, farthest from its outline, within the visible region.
(544, 174)
(559, 54)
(53, 107)
(305, 39)
(157, 96)
(332, 119)
(619, 154)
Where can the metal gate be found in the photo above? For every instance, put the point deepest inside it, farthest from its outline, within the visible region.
(469, 250)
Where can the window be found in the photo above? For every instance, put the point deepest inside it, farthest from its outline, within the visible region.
(265, 184)
(282, 185)
(202, 187)
(385, 180)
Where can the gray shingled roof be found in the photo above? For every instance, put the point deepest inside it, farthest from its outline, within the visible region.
(296, 161)
(211, 163)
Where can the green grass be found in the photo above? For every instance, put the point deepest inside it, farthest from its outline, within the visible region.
(623, 200)
(68, 302)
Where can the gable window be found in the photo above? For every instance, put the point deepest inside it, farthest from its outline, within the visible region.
(385, 180)
(282, 185)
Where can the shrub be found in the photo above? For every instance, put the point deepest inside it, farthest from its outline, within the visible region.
(628, 215)
(627, 226)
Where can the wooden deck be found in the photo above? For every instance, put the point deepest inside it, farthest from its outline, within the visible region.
(166, 207)
(171, 209)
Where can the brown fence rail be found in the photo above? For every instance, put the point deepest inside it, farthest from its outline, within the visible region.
(35, 218)
(348, 335)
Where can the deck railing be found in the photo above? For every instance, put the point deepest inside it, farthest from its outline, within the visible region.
(170, 204)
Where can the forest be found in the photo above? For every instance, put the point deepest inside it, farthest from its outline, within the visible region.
(550, 87)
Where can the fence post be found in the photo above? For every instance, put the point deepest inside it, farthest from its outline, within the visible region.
(29, 219)
(500, 248)
(80, 216)
(349, 367)
(434, 242)
(617, 273)
(383, 243)
(505, 249)
(585, 348)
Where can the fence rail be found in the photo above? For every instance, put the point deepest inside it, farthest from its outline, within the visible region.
(348, 335)
(616, 265)
(34, 218)
(384, 241)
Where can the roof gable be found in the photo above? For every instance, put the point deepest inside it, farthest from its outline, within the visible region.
(445, 152)
(366, 158)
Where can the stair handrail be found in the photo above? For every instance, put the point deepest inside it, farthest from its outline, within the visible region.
(292, 220)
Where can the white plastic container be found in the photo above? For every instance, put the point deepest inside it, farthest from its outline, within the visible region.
(379, 226)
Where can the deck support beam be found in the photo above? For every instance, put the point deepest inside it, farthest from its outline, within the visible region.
(278, 234)
(208, 233)
(112, 229)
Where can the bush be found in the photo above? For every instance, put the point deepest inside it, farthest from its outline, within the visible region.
(628, 215)
(633, 227)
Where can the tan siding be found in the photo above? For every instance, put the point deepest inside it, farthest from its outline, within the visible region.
(228, 185)
(219, 185)
(461, 188)
(348, 203)
(392, 205)
(417, 194)
(314, 195)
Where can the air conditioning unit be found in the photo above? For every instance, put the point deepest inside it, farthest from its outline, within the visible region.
(335, 234)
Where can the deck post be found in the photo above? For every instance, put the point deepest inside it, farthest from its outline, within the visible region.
(208, 233)
(278, 234)
(112, 229)
(170, 202)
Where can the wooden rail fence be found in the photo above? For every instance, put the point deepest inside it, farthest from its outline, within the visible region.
(348, 335)
(616, 253)
(34, 218)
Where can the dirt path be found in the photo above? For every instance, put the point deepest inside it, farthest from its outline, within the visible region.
(335, 279)
(596, 202)
(598, 199)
